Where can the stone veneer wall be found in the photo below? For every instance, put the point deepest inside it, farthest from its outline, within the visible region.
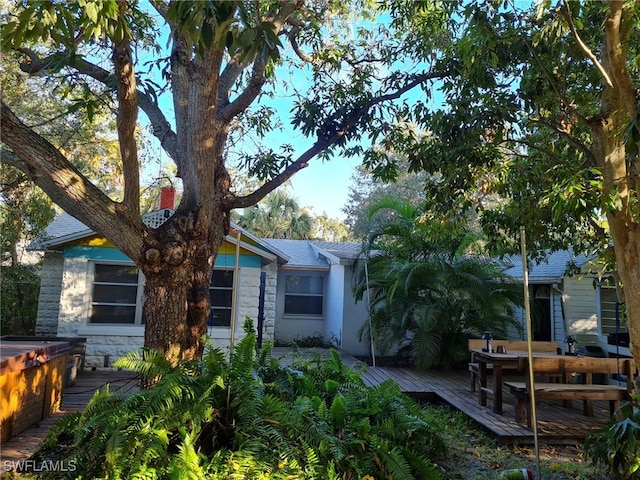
(106, 343)
(49, 297)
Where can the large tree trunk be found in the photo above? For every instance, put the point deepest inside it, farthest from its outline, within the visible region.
(177, 264)
(619, 172)
(625, 231)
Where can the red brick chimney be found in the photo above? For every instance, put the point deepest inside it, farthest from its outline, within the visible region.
(167, 198)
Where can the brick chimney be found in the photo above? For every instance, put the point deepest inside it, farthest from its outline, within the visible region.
(167, 198)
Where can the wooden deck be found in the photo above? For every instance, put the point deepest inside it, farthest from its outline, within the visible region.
(556, 424)
(74, 398)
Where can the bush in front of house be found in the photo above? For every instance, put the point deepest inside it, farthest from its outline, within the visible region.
(249, 418)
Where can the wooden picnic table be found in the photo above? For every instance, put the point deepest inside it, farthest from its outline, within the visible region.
(500, 361)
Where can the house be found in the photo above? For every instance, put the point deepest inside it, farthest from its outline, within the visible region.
(571, 296)
(292, 288)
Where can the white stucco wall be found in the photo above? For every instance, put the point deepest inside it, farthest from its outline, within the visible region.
(334, 305)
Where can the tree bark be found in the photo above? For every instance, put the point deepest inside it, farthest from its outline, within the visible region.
(619, 172)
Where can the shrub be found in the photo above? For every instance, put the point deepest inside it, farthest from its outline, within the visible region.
(618, 445)
(250, 418)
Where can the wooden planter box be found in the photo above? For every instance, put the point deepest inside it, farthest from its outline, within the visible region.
(31, 381)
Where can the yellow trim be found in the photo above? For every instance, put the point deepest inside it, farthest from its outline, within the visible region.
(94, 241)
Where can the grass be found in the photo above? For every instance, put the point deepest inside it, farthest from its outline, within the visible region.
(472, 455)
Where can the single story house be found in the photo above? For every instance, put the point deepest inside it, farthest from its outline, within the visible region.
(292, 288)
(583, 304)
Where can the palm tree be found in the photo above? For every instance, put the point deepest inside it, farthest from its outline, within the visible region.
(278, 216)
(431, 288)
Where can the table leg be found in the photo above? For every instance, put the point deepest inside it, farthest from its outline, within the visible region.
(497, 389)
(482, 373)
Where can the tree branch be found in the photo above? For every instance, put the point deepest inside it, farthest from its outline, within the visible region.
(127, 117)
(42, 163)
(566, 14)
(614, 31)
(561, 96)
(299, 164)
(291, 36)
(563, 133)
(324, 142)
(161, 127)
(228, 110)
(160, 7)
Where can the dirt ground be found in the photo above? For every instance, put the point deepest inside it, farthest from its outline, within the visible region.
(565, 462)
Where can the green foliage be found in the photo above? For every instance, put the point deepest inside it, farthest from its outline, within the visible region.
(278, 216)
(252, 418)
(55, 22)
(618, 445)
(19, 288)
(432, 290)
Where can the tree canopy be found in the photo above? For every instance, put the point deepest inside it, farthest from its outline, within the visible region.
(431, 288)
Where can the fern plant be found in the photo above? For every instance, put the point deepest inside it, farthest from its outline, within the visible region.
(250, 418)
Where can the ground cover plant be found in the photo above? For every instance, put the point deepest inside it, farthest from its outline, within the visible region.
(248, 417)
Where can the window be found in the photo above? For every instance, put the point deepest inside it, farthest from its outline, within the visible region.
(608, 306)
(221, 296)
(114, 296)
(303, 295)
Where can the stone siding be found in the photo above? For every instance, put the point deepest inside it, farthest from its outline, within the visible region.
(248, 303)
(49, 297)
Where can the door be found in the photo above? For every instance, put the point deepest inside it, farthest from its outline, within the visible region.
(542, 327)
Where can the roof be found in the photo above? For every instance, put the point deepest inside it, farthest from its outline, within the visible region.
(316, 254)
(65, 228)
(552, 268)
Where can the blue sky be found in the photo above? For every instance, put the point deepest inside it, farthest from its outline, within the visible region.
(324, 187)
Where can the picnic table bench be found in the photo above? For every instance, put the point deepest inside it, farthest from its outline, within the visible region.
(566, 366)
(509, 346)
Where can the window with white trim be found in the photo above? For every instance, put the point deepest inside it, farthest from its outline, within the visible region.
(221, 297)
(303, 295)
(115, 294)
